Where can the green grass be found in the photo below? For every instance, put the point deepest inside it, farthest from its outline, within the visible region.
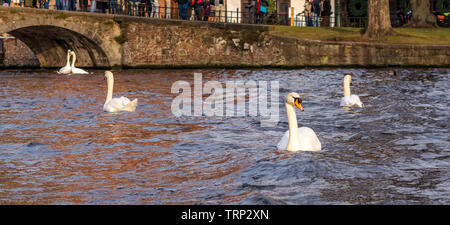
(410, 36)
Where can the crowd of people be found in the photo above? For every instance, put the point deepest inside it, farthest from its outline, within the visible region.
(200, 9)
(313, 9)
(102, 6)
(186, 9)
(28, 3)
(256, 12)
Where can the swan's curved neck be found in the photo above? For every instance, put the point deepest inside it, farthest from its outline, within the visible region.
(110, 83)
(346, 87)
(294, 142)
(68, 58)
(74, 59)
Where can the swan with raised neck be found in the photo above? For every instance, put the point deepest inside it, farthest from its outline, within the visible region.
(297, 139)
(67, 68)
(116, 104)
(74, 69)
(349, 99)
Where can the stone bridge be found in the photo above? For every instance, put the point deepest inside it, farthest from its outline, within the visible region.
(102, 40)
(50, 33)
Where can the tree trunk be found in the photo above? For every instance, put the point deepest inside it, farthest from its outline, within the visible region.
(421, 15)
(379, 20)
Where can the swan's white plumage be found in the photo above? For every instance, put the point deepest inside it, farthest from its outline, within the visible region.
(303, 138)
(117, 104)
(308, 140)
(349, 99)
(79, 71)
(352, 100)
(67, 68)
(74, 69)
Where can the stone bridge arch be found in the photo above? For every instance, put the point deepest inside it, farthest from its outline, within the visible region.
(50, 33)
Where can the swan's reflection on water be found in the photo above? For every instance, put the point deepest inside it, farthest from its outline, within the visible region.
(57, 146)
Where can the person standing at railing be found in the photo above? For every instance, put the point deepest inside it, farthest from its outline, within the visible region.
(257, 10)
(83, 5)
(198, 6)
(46, 2)
(308, 13)
(58, 4)
(142, 5)
(317, 10)
(220, 12)
(326, 13)
(155, 9)
(148, 8)
(134, 6)
(182, 9)
(65, 4)
(251, 12)
(206, 9)
(262, 11)
(93, 6)
(113, 9)
(191, 10)
(73, 5)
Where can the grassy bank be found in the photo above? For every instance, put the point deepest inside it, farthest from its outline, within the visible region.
(440, 36)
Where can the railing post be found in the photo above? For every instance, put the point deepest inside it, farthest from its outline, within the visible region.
(338, 14)
(226, 16)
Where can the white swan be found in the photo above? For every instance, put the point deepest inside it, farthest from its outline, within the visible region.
(349, 100)
(297, 139)
(67, 68)
(74, 69)
(117, 104)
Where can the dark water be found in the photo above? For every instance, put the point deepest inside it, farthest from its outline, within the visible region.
(57, 146)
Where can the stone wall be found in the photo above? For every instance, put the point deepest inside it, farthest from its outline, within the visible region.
(194, 44)
(126, 41)
(150, 44)
(327, 53)
(16, 54)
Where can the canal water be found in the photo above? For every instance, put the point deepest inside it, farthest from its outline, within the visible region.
(57, 146)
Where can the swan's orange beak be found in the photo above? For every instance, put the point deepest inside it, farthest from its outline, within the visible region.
(298, 103)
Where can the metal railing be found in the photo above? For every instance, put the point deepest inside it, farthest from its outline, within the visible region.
(246, 16)
(225, 16)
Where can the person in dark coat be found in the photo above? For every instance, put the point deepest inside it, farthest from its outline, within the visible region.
(206, 9)
(198, 7)
(316, 9)
(262, 12)
(182, 9)
(148, 7)
(308, 13)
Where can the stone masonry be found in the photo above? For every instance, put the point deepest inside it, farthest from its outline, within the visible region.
(124, 41)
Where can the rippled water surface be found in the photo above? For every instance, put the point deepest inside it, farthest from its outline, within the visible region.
(57, 146)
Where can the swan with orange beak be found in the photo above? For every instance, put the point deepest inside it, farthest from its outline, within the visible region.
(297, 139)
